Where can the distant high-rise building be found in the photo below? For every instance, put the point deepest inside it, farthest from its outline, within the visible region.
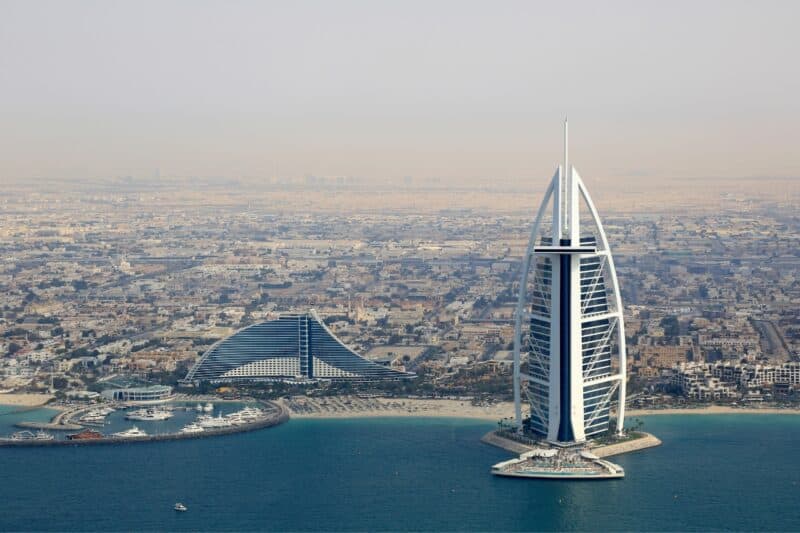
(568, 320)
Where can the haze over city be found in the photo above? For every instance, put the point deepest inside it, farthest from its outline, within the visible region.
(463, 92)
(347, 266)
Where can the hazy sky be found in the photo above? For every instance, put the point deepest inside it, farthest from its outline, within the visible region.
(449, 89)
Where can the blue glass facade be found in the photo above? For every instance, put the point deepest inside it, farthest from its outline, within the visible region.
(595, 342)
(293, 346)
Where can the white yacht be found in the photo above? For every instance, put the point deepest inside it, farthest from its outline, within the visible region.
(245, 416)
(96, 416)
(149, 415)
(43, 435)
(129, 433)
(180, 507)
(209, 407)
(192, 428)
(213, 422)
(27, 435)
(90, 418)
(237, 419)
(252, 412)
(199, 408)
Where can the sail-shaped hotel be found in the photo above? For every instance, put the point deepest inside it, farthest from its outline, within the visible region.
(569, 339)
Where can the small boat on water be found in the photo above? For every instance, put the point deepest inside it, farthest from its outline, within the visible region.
(96, 416)
(86, 434)
(248, 415)
(131, 433)
(209, 407)
(192, 428)
(213, 422)
(27, 435)
(149, 415)
(180, 507)
(199, 408)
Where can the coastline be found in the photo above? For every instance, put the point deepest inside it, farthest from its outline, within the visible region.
(350, 407)
(397, 407)
(713, 410)
(353, 407)
(25, 399)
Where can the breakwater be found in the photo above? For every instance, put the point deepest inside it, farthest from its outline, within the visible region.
(499, 441)
(642, 443)
(277, 414)
(51, 426)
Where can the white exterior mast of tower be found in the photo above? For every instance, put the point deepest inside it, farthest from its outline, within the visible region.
(566, 182)
(572, 311)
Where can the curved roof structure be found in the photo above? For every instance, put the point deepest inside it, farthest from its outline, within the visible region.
(569, 319)
(294, 346)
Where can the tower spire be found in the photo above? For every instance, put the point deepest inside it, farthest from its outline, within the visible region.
(573, 380)
(566, 187)
(566, 145)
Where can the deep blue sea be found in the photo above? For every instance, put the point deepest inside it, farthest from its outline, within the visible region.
(725, 472)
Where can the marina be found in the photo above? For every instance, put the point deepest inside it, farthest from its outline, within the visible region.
(168, 422)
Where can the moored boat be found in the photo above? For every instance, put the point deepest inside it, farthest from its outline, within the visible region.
(131, 433)
(149, 415)
(213, 422)
(86, 434)
(29, 436)
(192, 428)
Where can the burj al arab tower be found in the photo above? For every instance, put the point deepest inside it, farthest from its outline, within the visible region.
(569, 336)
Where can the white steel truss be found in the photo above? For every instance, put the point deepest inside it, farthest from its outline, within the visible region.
(564, 195)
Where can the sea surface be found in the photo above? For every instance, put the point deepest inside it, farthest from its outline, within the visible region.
(714, 472)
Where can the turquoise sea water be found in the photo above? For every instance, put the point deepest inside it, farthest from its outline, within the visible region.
(726, 472)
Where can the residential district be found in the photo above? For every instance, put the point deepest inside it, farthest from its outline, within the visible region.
(136, 283)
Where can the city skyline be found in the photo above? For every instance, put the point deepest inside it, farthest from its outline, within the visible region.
(260, 260)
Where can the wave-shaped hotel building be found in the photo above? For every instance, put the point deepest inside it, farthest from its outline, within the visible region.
(292, 347)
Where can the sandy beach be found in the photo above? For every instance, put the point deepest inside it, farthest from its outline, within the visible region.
(24, 400)
(713, 410)
(354, 407)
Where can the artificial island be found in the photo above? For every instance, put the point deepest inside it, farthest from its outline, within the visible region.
(570, 327)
